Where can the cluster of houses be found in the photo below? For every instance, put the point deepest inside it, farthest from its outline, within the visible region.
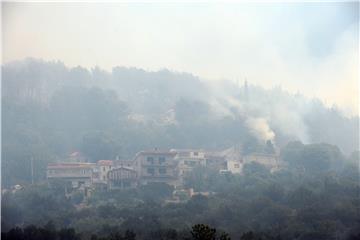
(154, 166)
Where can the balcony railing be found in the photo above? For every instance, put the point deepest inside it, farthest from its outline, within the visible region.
(69, 175)
(158, 164)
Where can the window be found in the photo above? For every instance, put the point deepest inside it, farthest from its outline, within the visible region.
(196, 154)
(161, 160)
(150, 160)
(162, 170)
(236, 165)
(150, 171)
(104, 169)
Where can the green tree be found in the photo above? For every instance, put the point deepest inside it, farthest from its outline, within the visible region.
(203, 232)
(67, 234)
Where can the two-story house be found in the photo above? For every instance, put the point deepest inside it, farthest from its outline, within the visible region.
(188, 159)
(76, 173)
(122, 177)
(156, 166)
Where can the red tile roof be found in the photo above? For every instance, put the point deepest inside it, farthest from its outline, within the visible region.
(157, 152)
(105, 162)
(69, 165)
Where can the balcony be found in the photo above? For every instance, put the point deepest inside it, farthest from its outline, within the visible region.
(157, 164)
(69, 175)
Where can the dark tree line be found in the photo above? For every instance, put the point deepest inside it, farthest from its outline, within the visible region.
(198, 232)
(292, 203)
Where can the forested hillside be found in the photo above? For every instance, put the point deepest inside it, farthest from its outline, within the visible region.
(50, 110)
(315, 197)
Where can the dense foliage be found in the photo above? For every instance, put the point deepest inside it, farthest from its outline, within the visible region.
(293, 203)
(49, 111)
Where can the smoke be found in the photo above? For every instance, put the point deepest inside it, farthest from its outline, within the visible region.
(272, 114)
(260, 128)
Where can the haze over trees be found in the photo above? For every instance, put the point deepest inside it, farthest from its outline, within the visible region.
(256, 138)
(294, 203)
(50, 110)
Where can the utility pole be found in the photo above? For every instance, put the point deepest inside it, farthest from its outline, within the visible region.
(246, 90)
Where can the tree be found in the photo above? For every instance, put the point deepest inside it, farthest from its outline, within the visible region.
(191, 111)
(99, 145)
(319, 157)
(197, 204)
(248, 236)
(156, 191)
(67, 234)
(15, 234)
(129, 235)
(313, 158)
(292, 153)
(203, 232)
(254, 168)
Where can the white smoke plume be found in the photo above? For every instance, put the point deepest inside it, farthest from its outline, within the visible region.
(260, 128)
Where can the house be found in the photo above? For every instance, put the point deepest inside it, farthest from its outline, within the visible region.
(124, 163)
(103, 167)
(233, 160)
(79, 174)
(232, 166)
(188, 159)
(122, 177)
(156, 166)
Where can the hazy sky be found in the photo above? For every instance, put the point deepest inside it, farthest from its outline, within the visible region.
(307, 47)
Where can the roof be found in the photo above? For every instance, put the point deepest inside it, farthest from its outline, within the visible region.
(214, 155)
(105, 162)
(186, 150)
(123, 167)
(156, 152)
(69, 165)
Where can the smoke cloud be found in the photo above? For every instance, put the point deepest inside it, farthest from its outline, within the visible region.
(260, 128)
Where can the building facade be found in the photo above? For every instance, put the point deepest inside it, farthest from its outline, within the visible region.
(103, 167)
(78, 174)
(157, 166)
(187, 160)
(122, 177)
(232, 166)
